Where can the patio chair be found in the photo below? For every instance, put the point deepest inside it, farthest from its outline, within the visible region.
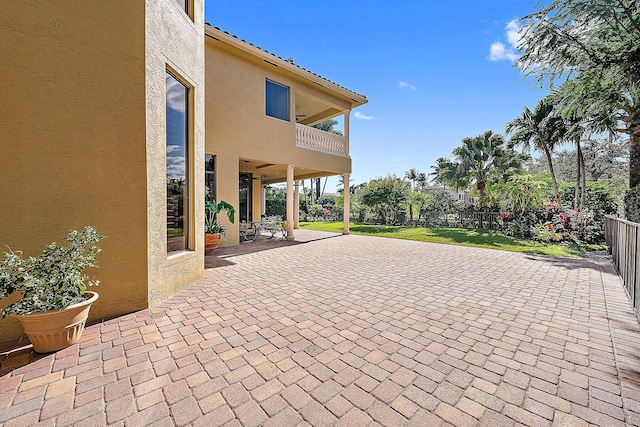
(273, 225)
(246, 230)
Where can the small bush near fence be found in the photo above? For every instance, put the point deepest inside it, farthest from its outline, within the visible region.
(465, 219)
(632, 204)
(548, 223)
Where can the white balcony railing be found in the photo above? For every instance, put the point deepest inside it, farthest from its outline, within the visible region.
(316, 139)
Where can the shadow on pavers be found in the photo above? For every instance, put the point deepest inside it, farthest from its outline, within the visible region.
(222, 257)
(16, 353)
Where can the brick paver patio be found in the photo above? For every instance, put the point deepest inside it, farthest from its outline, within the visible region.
(354, 331)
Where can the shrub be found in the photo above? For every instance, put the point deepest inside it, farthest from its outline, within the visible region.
(523, 194)
(517, 228)
(437, 207)
(632, 204)
(599, 199)
(588, 230)
(52, 280)
(546, 232)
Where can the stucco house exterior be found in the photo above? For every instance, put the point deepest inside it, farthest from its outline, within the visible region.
(259, 113)
(112, 113)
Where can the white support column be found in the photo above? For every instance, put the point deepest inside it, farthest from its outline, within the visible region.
(263, 200)
(290, 202)
(346, 130)
(347, 197)
(296, 206)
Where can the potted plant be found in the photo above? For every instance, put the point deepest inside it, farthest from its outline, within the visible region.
(55, 302)
(213, 229)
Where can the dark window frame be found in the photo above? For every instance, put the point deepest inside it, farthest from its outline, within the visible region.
(210, 166)
(271, 107)
(173, 242)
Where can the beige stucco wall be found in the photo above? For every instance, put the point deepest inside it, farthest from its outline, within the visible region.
(82, 138)
(238, 128)
(176, 41)
(72, 138)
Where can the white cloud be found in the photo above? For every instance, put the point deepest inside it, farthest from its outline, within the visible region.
(172, 148)
(175, 167)
(176, 94)
(358, 115)
(499, 52)
(405, 85)
(513, 33)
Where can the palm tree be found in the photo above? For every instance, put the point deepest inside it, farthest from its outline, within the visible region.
(422, 180)
(479, 160)
(341, 184)
(445, 173)
(595, 44)
(541, 129)
(578, 124)
(412, 175)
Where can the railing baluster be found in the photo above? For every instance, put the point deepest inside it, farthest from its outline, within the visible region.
(316, 139)
(623, 239)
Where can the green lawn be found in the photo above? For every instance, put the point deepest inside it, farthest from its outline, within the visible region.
(455, 236)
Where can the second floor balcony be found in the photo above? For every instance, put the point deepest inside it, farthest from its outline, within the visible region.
(315, 139)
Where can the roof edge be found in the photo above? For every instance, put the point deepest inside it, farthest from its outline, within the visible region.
(226, 37)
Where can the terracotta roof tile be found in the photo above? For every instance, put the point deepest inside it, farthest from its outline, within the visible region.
(282, 59)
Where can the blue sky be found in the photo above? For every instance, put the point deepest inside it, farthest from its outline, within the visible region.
(425, 67)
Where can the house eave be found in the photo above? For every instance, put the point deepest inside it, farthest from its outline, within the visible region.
(219, 35)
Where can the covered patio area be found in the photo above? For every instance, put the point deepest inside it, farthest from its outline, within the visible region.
(354, 331)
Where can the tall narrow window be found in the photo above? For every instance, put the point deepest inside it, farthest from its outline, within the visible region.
(277, 97)
(177, 164)
(209, 178)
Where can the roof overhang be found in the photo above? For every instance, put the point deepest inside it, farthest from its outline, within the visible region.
(217, 34)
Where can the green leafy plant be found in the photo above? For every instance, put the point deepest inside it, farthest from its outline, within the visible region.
(632, 204)
(546, 232)
(213, 211)
(54, 279)
(518, 228)
(522, 194)
(437, 208)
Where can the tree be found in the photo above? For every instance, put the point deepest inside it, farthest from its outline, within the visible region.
(419, 199)
(542, 130)
(605, 159)
(445, 174)
(577, 126)
(275, 201)
(341, 184)
(386, 196)
(596, 44)
(413, 176)
(436, 208)
(480, 160)
(328, 125)
(523, 194)
(422, 181)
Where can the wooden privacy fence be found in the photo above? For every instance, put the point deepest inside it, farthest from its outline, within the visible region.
(622, 237)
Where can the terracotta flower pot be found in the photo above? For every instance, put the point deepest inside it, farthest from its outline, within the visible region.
(56, 329)
(211, 242)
